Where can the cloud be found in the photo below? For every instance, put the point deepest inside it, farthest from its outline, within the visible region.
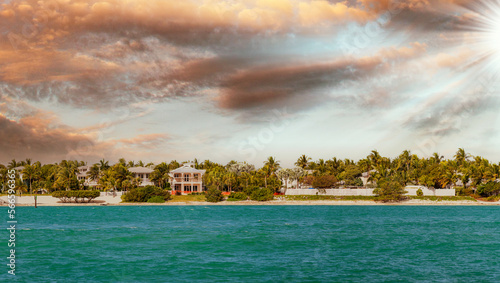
(33, 137)
(105, 54)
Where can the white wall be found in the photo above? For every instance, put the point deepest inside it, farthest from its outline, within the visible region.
(331, 192)
(367, 192)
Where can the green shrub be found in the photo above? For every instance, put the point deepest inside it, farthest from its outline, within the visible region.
(461, 191)
(76, 196)
(250, 189)
(237, 196)
(420, 193)
(197, 193)
(488, 189)
(262, 194)
(214, 195)
(389, 191)
(157, 199)
(143, 194)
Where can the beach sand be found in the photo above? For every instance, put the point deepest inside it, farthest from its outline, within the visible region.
(110, 200)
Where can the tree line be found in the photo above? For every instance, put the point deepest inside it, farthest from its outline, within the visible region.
(468, 173)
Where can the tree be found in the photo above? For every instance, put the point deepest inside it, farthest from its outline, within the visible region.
(272, 164)
(324, 182)
(66, 178)
(295, 174)
(214, 195)
(284, 174)
(214, 177)
(461, 156)
(302, 161)
(389, 191)
(29, 172)
(160, 175)
(94, 172)
(103, 165)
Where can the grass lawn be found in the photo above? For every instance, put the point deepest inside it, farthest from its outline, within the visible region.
(186, 198)
(433, 198)
(321, 197)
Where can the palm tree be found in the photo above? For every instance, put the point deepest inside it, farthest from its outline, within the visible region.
(103, 165)
(160, 174)
(229, 180)
(302, 161)
(13, 164)
(296, 174)
(461, 156)
(66, 177)
(284, 174)
(272, 164)
(29, 173)
(94, 172)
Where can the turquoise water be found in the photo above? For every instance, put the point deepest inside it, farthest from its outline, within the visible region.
(256, 244)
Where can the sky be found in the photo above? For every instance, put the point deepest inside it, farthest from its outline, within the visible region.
(243, 80)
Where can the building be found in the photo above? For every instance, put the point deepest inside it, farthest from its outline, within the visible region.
(83, 174)
(186, 179)
(142, 173)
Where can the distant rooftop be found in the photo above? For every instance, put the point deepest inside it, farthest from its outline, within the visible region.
(140, 170)
(187, 169)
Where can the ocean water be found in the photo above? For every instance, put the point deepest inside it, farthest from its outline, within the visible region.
(256, 244)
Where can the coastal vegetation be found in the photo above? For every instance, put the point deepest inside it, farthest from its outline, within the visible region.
(145, 194)
(470, 175)
(214, 195)
(76, 196)
(389, 191)
(237, 196)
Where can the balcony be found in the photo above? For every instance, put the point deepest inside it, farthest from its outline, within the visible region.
(187, 180)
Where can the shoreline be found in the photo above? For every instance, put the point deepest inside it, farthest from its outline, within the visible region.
(116, 201)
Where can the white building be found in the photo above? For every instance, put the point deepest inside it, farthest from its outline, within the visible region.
(142, 173)
(83, 174)
(186, 179)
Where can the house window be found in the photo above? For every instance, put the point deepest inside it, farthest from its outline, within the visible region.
(177, 187)
(195, 176)
(187, 188)
(177, 175)
(195, 188)
(186, 178)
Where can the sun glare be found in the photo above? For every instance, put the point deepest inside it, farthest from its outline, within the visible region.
(487, 29)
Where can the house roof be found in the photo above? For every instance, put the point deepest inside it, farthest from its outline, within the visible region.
(187, 169)
(140, 170)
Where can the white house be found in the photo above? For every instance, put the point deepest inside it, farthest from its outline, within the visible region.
(186, 179)
(83, 174)
(142, 173)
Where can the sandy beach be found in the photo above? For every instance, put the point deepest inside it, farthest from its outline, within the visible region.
(110, 200)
